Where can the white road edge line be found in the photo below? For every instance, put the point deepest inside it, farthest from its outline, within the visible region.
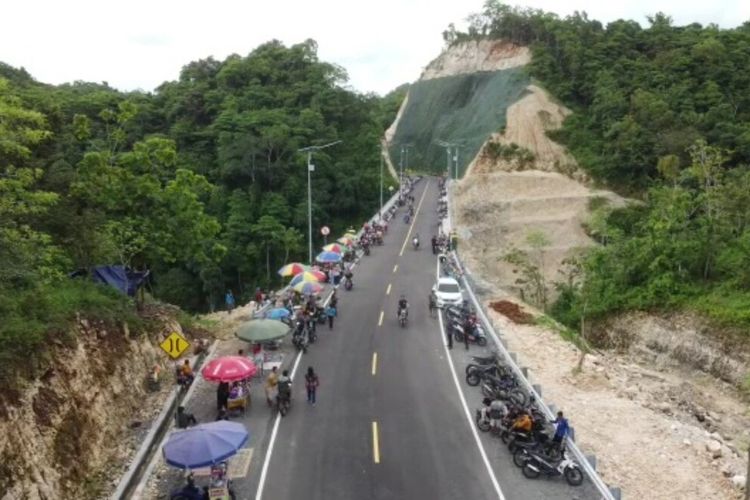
(469, 418)
(267, 460)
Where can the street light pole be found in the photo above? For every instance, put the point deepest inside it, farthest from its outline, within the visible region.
(381, 184)
(309, 207)
(401, 173)
(310, 167)
(455, 160)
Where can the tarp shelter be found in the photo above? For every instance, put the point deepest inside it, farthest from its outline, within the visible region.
(125, 280)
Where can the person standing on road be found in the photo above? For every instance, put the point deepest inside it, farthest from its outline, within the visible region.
(331, 314)
(222, 396)
(562, 428)
(311, 383)
(449, 337)
(271, 382)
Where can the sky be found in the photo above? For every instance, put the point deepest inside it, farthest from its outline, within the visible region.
(138, 44)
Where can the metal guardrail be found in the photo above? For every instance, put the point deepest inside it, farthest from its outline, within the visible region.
(466, 280)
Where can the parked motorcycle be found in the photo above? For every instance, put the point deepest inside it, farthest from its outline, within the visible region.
(537, 464)
(475, 335)
(348, 284)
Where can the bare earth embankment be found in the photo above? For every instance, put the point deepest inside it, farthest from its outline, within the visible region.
(660, 426)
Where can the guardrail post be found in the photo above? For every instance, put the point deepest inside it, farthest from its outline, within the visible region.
(514, 357)
(552, 407)
(538, 389)
(592, 460)
(572, 433)
(525, 371)
(616, 493)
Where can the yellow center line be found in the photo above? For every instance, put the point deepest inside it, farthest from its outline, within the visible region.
(374, 363)
(380, 321)
(416, 213)
(388, 290)
(375, 445)
(395, 268)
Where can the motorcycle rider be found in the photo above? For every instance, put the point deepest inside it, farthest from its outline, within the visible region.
(496, 413)
(415, 241)
(348, 275)
(523, 423)
(284, 388)
(403, 304)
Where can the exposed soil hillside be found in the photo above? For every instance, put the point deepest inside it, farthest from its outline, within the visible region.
(71, 433)
(659, 428)
(473, 56)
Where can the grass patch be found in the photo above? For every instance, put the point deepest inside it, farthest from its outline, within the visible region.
(32, 319)
(727, 308)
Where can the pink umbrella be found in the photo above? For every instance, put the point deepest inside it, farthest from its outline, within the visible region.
(229, 369)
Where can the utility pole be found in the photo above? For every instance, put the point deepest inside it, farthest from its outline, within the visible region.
(455, 159)
(310, 167)
(400, 174)
(448, 146)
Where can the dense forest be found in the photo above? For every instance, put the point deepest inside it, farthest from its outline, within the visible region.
(200, 182)
(661, 114)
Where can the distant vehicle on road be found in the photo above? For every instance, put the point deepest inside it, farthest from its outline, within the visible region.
(447, 292)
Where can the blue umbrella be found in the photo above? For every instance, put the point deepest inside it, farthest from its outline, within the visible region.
(278, 313)
(204, 444)
(328, 257)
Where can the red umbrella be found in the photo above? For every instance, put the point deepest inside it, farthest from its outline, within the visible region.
(229, 369)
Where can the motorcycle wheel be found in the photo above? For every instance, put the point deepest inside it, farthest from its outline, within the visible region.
(505, 437)
(473, 379)
(482, 341)
(483, 425)
(520, 457)
(458, 337)
(518, 396)
(573, 475)
(529, 472)
(512, 447)
(471, 368)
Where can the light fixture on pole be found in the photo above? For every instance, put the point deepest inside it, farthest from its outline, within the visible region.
(380, 213)
(447, 146)
(310, 167)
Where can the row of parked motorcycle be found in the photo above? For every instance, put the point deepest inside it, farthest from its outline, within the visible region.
(506, 406)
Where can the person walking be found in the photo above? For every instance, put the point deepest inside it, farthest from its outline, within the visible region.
(311, 383)
(222, 396)
(229, 300)
(330, 314)
(449, 337)
(271, 382)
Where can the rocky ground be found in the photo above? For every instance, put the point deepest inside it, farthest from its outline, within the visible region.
(655, 429)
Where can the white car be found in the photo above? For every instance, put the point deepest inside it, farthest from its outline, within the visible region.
(447, 292)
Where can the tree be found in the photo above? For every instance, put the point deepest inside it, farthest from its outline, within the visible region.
(269, 232)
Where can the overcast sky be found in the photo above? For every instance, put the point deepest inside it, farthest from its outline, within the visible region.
(139, 44)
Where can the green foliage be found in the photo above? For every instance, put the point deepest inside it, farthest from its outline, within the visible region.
(183, 181)
(530, 266)
(511, 153)
(36, 317)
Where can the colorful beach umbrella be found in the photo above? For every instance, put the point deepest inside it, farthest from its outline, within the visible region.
(229, 369)
(308, 288)
(293, 269)
(311, 276)
(346, 240)
(204, 444)
(328, 257)
(278, 313)
(334, 247)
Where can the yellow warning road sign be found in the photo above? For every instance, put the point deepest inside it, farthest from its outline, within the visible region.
(174, 345)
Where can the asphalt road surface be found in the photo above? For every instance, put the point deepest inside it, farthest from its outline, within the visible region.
(391, 421)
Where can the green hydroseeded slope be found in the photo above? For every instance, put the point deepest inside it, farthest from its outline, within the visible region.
(463, 109)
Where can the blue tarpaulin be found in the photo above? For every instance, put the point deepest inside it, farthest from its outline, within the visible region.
(125, 280)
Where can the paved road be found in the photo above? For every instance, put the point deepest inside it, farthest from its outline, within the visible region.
(403, 431)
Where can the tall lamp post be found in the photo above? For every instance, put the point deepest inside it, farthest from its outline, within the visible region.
(380, 213)
(310, 167)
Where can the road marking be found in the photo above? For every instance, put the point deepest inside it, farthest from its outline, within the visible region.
(416, 213)
(395, 268)
(374, 363)
(380, 321)
(388, 290)
(469, 418)
(375, 445)
(275, 431)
